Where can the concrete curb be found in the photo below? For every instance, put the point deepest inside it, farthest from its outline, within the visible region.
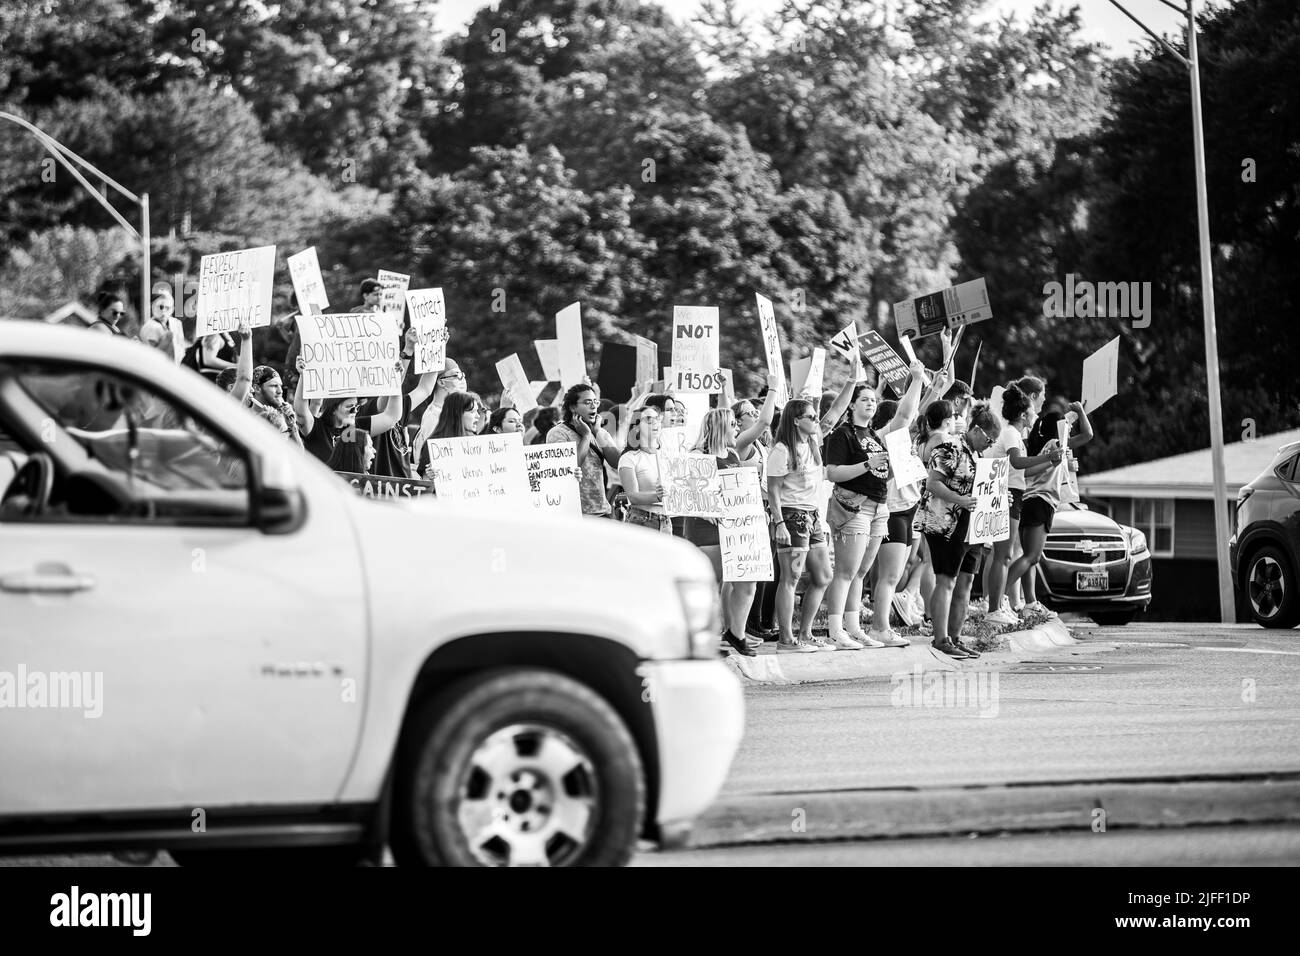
(866, 814)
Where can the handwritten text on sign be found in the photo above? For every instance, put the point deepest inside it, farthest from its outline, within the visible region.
(691, 380)
(429, 319)
(772, 345)
(235, 288)
(695, 339)
(304, 271)
(392, 286)
(689, 488)
(481, 471)
(350, 353)
(742, 529)
(552, 479)
(991, 519)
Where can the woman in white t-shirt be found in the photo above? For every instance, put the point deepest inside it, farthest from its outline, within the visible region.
(638, 472)
(794, 476)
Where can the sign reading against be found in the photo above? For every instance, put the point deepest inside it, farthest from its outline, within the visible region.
(235, 288)
(885, 360)
(392, 291)
(907, 468)
(516, 383)
(568, 338)
(548, 353)
(690, 380)
(695, 339)
(481, 471)
(772, 346)
(689, 485)
(742, 529)
(958, 305)
(350, 353)
(429, 319)
(1101, 376)
(308, 286)
(806, 375)
(553, 478)
(647, 359)
(381, 487)
(991, 519)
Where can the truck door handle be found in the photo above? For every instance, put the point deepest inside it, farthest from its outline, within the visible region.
(46, 579)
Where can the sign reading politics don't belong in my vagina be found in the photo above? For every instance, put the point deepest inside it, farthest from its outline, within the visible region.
(350, 353)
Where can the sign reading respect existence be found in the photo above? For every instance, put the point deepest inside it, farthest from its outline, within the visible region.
(350, 353)
(552, 477)
(742, 529)
(695, 339)
(958, 305)
(235, 288)
(481, 471)
(991, 519)
(688, 483)
(429, 319)
(308, 286)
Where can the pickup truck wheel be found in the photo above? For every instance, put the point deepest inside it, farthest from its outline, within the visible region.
(517, 768)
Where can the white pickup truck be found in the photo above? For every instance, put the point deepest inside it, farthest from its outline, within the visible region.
(210, 644)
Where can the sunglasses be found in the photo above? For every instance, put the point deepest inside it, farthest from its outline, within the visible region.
(116, 314)
(806, 418)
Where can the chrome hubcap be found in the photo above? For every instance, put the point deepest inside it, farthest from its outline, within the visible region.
(1267, 587)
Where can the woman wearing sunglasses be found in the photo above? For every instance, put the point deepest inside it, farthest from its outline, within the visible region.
(112, 310)
(462, 415)
(638, 472)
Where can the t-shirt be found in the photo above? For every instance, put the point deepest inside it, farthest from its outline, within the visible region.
(954, 460)
(645, 465)
(1008, 439)
(1047, 483)
(591, 486)
(799, 486)
(850, 445)
(393, 447)
(320, 442)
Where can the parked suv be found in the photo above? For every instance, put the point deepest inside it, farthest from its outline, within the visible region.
(1095, 566)
(211, 645)
(1264, 553)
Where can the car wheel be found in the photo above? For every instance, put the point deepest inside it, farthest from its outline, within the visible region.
(1271, 589)
(1117, 618)
(517, 768)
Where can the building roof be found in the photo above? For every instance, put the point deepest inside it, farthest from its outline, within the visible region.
(1188, 475)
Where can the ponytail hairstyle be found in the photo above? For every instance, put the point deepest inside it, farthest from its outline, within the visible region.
(982, 416)
(1044, 430)
(1031, 385)
(884, 414)
(715, 430)
(1014, 404)
(788, 434)
(936, 413)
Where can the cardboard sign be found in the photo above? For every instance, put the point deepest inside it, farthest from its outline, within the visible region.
(234, 288)
(806, 376)
(906, 467)
(1101, 376)
(350, 353)
(689, 485)
(689, 380)
(308, 286)
(647, 359)
(772, 347)
(695, 339)
(568, 338)
(995, 400)
(1067, 483)
(950, 308)
(742, 529)
(429, 319)
(548, 353)
(991, 519)
(885, 361)
(673, 439)
(383, 488)
(844, 341)
(516, 383)
(481, 471)
(392, 293)
(552, 481)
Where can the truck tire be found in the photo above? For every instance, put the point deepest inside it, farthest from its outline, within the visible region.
(1271, 589)
(517, 767)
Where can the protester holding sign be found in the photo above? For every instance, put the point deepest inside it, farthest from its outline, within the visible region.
(944, 517)
(462, 416)
(638, 471)
(353, 457)
(596, 447)
(504, 421)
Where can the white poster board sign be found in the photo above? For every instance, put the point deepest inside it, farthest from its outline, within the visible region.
(742, 529)
(772, 347)
(308, 286)
(481, 471)
(991, 519)
(907, 468)
(429, 319)
(692, 380)
(392, 293)
(552, 478)
(1101, 376)
(688, 483)
(568, 338)
(516, 383)
(350, 353)
(548, 353)
(235, 288)
(806, 375)
(695, 338)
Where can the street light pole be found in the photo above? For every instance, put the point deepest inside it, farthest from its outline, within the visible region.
(1227, 609)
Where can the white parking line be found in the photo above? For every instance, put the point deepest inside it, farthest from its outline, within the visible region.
(1249, 650)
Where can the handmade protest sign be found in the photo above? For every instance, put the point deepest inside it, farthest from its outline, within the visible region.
(963, 304)
(742, 529)
(308, 286)
(688, 483)
(995, 399)
(568, 338)
(429, 319)
(772, 346)
(481, 471)
(885, 360)
(806, 375)
(647, 359)
(350, 353)
(695, 339)
(235, 289)
(673, 439)
(844, 341)
(516, 383)
(991, 519)
(1066, 481)
(907, 468)
(392, 292)
(1101, 376)
(690, 380)
(548, 353)
(552, 479)
(382, 488)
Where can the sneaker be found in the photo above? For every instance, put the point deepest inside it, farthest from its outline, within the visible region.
(918, 607)
(763, 633)
(904, 608)
(843, 642)
(892, 638)
(738, 645)
(1039, 608)
(871, 639)
(820, 643)
(952, 650)
(965, 649)
(795, 647)
(754, 642)
(1002, 616)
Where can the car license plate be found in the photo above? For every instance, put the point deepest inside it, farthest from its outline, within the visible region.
(1092, 580)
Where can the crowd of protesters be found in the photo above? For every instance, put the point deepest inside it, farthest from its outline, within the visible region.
(906, 542)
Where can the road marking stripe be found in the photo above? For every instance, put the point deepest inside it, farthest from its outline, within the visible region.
(1248, 650)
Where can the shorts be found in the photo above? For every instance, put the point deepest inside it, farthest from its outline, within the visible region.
(648, 519)
(900, 526)
(953, 556)
(850, 514)
(702, 532)
(1036, 511)
(805, 530)
(1017, 496)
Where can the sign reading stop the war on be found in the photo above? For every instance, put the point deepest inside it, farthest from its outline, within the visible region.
(991, 519)
(308, 286)
(695, 339)
(742, 529)
(350, 353)
(235, 289)
(963, 304)
(429, 319)
(772, 346)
